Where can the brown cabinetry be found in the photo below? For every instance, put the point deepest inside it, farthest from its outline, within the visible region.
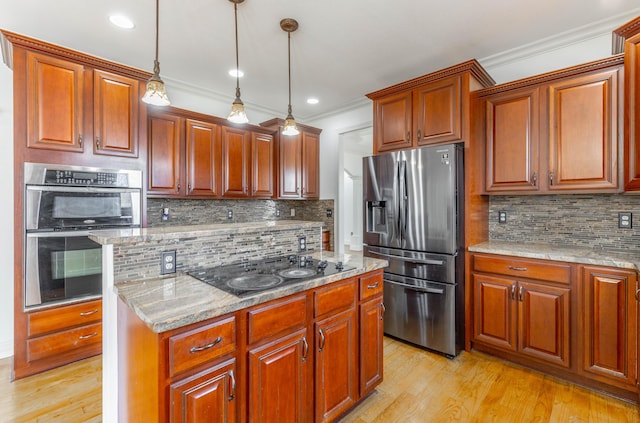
(298, 161)
(431, 109)
(236, 155)
(609, 315)
(165, 154)
(203, 159)
(527, 314)
(557, 132)
(371, 310)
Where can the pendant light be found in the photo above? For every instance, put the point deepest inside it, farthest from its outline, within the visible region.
(156, 93)
(290, 128)
(238, 113)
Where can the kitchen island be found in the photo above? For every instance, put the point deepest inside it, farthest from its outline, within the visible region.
(186, 350)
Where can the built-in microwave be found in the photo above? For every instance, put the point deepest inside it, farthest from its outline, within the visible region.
(62, 203)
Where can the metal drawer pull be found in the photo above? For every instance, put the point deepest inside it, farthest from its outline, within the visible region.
(383, 310)
(91, 335)
(637, 294)
(519, 269)
(232, 394)
(88, 313)
(520, 295)
(374, 286)
(513, 292)
(305, 349)
(322, 340)
(206, 347)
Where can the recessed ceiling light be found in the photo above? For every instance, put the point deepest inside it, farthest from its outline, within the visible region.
(236, 73)
(121, 21)
(313, 100)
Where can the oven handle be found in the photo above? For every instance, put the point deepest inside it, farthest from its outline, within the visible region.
(57, 234)
(410, 260)
(419, 289)
(72, 188)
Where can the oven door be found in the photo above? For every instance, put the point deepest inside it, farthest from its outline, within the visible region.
(68, 208)
(62, 267)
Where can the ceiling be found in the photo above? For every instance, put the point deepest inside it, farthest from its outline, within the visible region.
(342, 50)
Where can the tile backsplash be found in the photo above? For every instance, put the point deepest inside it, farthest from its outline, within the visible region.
(573, 220)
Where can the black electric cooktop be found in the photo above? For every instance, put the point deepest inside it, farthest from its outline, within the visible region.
(255, 276)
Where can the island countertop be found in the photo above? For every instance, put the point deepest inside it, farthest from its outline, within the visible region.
(172, 302)
(568, 254)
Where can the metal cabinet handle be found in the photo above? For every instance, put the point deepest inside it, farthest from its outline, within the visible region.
(206, 347)
(98, 143)
(91, 335)
(322, 340)
(374, 286)
(305, 348)
(189, 187)
(637, 294)
(518, 269)
(178, 187)
(232, 391)
(88, 313)
(408, 136)
(513, 292)
(520, 296)
(550, 178)
(419, 135)
(534, 179)
(383, 309)
(80, 140)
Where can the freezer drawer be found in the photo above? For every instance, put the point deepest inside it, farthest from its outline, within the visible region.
(421, 312)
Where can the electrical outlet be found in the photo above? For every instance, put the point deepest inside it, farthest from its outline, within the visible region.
(293, 212)
(329, 213)
(624, 220)
(302, 243)
(168, 263)
(502, 216)
(277, 213)
(165, 214)
(230, 214)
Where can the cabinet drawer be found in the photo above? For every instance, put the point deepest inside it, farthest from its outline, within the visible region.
(549, 271)
(62, 342)
(334, 298)
(276, 317)
(370, 285)
(56, 319)
(197, 346)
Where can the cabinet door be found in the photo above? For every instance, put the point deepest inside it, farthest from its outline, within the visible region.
(165, 146)
(115, 114)
(204, 163)
(262, 165)
(543, 316)
(392, 122)
(310, 166)
(54, 85)
(609, 310)
(436, 112)
(371, 338)
(632, 114)
(336, 365)
(207, 397)
(236, 153)
(278, 380)
(512, 142)
(290, 165)
(583, 132)
(495, 311)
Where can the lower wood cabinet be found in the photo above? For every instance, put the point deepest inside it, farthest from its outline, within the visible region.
(308, 357)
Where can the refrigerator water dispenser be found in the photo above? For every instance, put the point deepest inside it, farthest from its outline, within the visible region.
(376, 217)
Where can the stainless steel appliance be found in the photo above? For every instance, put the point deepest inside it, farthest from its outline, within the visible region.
(62, 204)
(413, 208)
(251, 277)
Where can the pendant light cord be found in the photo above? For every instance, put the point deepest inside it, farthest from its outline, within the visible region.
(156, 65)
(289, 60)
(235, 11)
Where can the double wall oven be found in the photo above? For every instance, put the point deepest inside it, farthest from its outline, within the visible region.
(62, 204)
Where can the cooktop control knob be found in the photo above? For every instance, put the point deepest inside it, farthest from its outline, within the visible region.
(322, 264)
(339, 266)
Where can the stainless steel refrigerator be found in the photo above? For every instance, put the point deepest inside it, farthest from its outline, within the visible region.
(413, 217)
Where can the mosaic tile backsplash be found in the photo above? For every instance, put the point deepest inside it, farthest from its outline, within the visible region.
(572, 220)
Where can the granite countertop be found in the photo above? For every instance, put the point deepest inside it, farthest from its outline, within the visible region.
(136, 235)
(569, 254)
(172, 302)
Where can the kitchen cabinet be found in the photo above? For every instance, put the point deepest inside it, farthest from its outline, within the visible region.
(203, 160)
(263, 165)
(609, 312)
(298, 161)
(524, 307)
(236, 155)
(166, 139)
(371, 309)
(554, 133)
(430, 109)
(77, 94)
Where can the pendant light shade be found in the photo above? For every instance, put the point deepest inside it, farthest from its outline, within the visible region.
(290, 127)
(238, 113)
(156, 93)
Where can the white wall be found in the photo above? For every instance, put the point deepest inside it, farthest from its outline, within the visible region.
(545, 56)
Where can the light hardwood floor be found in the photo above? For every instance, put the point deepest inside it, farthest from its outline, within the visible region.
(418, 387)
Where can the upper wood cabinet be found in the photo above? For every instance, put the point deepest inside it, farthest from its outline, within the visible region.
(77, 93)
(557, 132)
(431, 109)
(629, 36)
(299, 161)
(263, 165)
(204, 158)
(165, 156)
(236, 162)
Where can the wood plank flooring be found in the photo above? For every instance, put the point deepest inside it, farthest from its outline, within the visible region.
(418, 387)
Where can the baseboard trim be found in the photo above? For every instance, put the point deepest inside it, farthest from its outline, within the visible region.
(6, 348)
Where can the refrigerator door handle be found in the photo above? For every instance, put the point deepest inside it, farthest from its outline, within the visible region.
(408, 259)
(419, 289)
(403, 199)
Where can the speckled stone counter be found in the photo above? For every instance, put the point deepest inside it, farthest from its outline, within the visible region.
(172, 302)
(569, 254)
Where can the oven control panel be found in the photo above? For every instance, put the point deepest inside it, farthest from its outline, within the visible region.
(84, 178)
